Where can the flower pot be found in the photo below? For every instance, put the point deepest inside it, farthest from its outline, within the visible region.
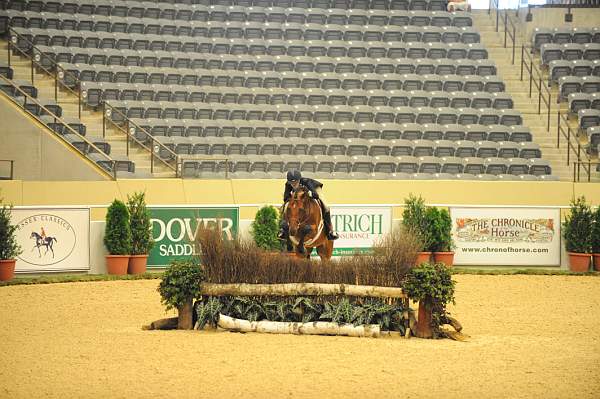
(579, 263)
(596, 262)
(446, 258)
(424, 329)
(423, 257)
(117, 264)
(7, 269)
(137, 264)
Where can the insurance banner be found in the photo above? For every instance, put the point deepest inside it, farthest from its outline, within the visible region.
(52, 239)
(506, 236)
(174, 230)
(359, 228)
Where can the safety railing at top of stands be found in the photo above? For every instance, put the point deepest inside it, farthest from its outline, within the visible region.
(536, 79)
(132, 130)
(573, 144)
(58, 120)
(510, 29)
(37, 60)
(11, 169)
(61, 75)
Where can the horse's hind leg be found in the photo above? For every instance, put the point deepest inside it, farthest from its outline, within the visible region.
(325, 251)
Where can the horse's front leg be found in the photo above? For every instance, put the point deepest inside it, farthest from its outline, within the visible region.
(304, 231)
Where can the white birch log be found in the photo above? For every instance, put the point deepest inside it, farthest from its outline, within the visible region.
(313, 328)
(301, 289)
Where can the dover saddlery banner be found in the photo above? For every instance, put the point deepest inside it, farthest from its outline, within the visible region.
(506, 236)
(174, 230)
(52, 239)
(359, 228)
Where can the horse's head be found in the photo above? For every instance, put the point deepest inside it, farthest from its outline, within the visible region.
(297, 212)
(33, 235)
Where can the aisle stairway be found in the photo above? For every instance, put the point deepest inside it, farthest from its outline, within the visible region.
(519, 90)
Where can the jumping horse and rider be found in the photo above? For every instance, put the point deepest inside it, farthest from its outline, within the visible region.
(306, 217)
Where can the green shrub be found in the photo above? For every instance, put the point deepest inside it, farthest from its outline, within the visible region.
(440, 230)
(117, 236)
(9, 249)
(141, 227)
(180, 283)
(416, 222)
(431, 283)
(595, 236)
(577, 227)
(264, 228)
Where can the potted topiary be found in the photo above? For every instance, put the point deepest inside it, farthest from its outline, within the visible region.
(141, 233)
(9, 249)
(442, 244)
(179, 287)
(265, 227)
(576, 230)
(432, 286)
(595, 237)
(117, 238)
(416, 222)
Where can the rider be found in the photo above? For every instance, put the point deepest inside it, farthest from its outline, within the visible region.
(295, 180)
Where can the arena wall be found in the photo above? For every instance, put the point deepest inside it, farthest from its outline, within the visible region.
(36, 152)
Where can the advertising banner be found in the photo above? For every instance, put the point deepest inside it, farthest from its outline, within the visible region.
(506, 236)
(174, 230)
(359, 228)
(52, 239)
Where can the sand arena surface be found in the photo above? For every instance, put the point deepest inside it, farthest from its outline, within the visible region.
(532, 336)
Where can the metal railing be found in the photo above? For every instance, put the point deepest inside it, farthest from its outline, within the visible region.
(61, 76)
(131, 131)
(11, 169)
(494, 6)
(58, 120)
(536, 79)
(573, 145)
(510, 29)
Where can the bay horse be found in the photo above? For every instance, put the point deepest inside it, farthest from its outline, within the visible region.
(305, 223)
(43, 242)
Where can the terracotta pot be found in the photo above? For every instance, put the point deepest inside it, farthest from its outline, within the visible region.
(446, 258)
(596, 262)
(423, 257)
(137, 264)
(117, 264)
(424, 320)
(7, 269)
(579, 263)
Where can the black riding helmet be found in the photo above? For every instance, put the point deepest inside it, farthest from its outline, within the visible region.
(293, 175)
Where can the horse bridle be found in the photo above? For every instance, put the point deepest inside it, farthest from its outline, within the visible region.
(307, 209)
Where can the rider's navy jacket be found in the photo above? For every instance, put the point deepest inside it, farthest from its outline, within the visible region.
(309, 183)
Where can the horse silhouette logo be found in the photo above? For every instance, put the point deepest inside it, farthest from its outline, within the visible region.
(41, 240)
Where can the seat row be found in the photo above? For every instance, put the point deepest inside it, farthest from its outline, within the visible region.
(295, 48)
(560, 68)
(94, 94)
(46, 56)
(240, 30)
(570, 52)
(541, 36)
(349, 147)
(579, 101)
(322, 113)
(327, 130)
(285, 80)
(278, 12)
(574, 84)
(588, 118)
(365, 164)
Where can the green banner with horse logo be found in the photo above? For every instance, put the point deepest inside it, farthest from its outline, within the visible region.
(174, 230)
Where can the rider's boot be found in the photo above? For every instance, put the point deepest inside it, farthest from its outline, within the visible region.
(331, 235)
(283, 233)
